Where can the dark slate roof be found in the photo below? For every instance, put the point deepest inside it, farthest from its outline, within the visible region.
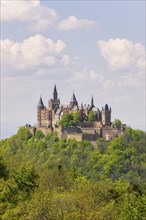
(73, 99)
(106, 107)
(92, 102)
(55, 90)
(40, 103)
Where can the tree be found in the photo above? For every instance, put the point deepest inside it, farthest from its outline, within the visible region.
(70, 119)
(101, 145)
(3, 169)
(77, 117)
(91, 116)
(117, 123)
(39, 134)
(26, 179)
(78, 180)
(24, 133)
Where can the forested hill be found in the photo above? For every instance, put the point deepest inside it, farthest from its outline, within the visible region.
(43, 178)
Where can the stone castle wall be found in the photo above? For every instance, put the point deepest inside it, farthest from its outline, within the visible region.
(90, 134)
(111, 133)
(90, 137)
(77, 136)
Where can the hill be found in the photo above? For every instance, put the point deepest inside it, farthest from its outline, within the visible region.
(43, 178)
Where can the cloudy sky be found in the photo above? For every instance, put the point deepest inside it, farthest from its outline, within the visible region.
(92, 47)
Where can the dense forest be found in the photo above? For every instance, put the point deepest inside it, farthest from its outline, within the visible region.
(43, 178)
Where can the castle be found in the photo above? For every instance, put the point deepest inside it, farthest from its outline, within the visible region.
(48, 119)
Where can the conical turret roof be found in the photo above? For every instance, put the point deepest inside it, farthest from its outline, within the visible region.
(73, 99)
(92, 102)
(55, 94)
(55, 89)
(40, 103)
(106, 107)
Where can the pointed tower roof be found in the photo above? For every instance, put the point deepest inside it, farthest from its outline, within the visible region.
(55, 94)
(55, 90)
(40, 103)
(106, 107)
(92, 102)
(73, 99)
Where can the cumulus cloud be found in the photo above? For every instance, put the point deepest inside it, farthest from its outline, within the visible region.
(122, 54)
(33, 52)
(66, 60)
(73, 22)
(41, 16)
(132, 81)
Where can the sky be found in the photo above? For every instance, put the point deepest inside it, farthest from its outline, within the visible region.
(90, 47)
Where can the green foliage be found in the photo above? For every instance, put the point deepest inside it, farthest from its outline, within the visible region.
(17, 189)
(22, 183)
(117, 123)
(3, 169)
(101, 145)
(70, 119)
(25, 179)
(51, 137)
(77, 117)
(91, 116)
(77, 180)
(24, 133)
(39, 134)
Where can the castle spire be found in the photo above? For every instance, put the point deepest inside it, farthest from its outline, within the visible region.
(106, 107)
(73, 101)
(40, 103)
(92, 102)
(55, 94)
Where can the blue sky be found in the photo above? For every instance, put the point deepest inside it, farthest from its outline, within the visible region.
(93, 47)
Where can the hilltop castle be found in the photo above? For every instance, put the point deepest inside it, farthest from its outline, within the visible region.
(48, 119)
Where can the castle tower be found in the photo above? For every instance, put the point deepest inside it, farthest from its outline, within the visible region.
(73, 102)
(40, 109)
(106, 115)
(55, 102)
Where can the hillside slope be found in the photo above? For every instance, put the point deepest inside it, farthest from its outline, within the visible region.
(46, 178)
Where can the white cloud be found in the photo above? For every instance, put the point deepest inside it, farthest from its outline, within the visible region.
(72, 23)
(41, 16)
(132, 81)
(123, 54)
(88, 75)
(35, 51)
(128, 59)
(66, 60)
